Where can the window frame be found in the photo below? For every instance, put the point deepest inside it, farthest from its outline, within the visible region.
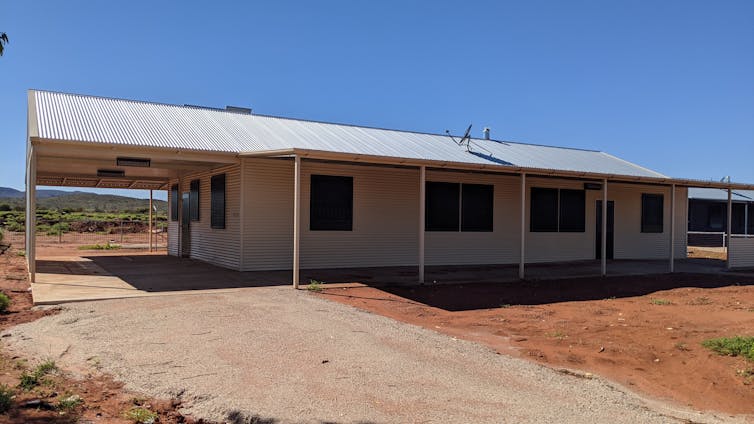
(218, 201)
(649, 227)
(194, 200)
(477, 226)
(318, 221)
(174, 198)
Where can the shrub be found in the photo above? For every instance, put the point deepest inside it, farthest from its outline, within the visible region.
(6, 398)
(732, 346)
(140, 415)
(315, 286)
(28, 381)
(71, 402)
(4, 302)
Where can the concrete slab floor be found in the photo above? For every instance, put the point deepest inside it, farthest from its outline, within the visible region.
(62, 279)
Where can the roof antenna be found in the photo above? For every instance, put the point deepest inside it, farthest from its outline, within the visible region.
(466, 137)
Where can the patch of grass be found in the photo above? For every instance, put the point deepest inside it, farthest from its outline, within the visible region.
(732, 346)
(660, 302)
(4, 302)
(70, 402)
(505, 305)
(701, 301)
(747, 373)
(140, 415)
(559, 335)
(314, 285)
(6, 398)
(106, 246)
(21, 253)
(30, 381)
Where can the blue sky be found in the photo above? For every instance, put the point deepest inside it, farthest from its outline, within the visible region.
(666, 84)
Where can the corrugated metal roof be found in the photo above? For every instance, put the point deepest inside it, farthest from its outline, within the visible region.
(73, 117)
(720, 194)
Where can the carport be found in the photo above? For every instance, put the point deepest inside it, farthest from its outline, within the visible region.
(81, 161)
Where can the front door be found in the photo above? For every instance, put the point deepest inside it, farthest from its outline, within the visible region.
(610, 229)
(185, 226)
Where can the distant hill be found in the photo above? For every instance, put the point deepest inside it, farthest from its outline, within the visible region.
(78, 200)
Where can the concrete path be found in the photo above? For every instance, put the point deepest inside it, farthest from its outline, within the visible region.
(284, 356)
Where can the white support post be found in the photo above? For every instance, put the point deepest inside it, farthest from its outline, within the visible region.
(603, 248)
(672, 228)
(31, 212)
(422, 203)
(522, 254)
(296, 220)
(729, 231)
(150, 221)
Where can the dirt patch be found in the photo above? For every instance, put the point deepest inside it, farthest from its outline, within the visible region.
(58, 396)
(644, 332)
(720, 253)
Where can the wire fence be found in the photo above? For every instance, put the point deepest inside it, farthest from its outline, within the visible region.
(132, 234)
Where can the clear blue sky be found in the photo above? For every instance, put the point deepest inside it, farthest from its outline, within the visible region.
(666, 84)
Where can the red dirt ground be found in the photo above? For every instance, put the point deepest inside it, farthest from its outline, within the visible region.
(104, 400)
(643, 332)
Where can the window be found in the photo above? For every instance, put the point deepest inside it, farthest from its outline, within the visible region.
(331, 203)
(476, 207)
(174, 202)
(717, 217)
(441, 206)
(572, 211)
(750, 229)
(458, 207)
(194, 200)
(544, 210)
(651, 213)
(217, 201)
(557, 210)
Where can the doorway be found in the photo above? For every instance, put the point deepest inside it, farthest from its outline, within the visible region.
(185, 226)
(610, 229)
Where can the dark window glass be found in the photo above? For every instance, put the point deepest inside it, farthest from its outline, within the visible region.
(739, 218)
(194, 200)
(651, 213)
(476, 207)
(751, 219)
(543, 214)
(331, 203)
(441, 206)
(572, 210)
(217, 201)
(174, 202)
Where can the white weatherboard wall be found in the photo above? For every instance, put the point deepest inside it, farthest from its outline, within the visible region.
(174, 227)
(385, 221)
(741, 252)
(385, 217)
(501, 246)
(216, 246)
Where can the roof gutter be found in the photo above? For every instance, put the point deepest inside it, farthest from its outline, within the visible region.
(388, 160)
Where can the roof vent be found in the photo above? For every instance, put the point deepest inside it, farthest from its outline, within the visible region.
(238, 109)
(110, 173)
(486, 133)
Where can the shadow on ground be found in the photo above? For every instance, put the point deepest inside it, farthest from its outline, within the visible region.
(461, 297)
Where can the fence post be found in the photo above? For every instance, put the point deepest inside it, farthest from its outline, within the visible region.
(121, 231)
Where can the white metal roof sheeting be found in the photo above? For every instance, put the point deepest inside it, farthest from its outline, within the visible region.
(73, 117)
(721, 194)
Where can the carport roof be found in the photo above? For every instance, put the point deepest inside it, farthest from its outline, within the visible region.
(80, 118)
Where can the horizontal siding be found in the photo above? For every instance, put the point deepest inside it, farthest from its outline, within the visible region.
(630, 242)
(385, 224)
(385, 219)
(173, 226)
(741, 252)
(500, 246)
(220, 247)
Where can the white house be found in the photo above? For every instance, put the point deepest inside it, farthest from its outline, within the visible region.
(253, 192)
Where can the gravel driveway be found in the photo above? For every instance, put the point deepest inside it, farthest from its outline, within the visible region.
(285, 356)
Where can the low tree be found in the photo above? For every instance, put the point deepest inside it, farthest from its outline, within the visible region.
(3, 42)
